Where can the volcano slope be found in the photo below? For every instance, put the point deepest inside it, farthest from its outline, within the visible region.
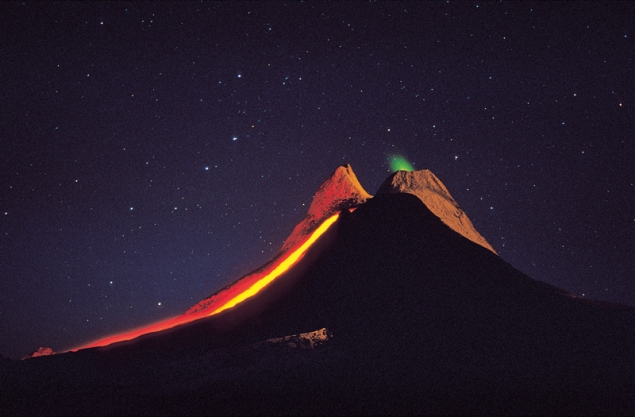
(391, 312)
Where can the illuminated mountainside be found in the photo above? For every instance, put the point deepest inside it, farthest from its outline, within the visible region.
(389, 312)
(431, 191)
(340, 191)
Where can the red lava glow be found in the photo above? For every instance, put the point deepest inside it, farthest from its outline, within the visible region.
(228, 298)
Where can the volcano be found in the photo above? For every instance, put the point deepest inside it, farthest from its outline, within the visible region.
(396, 306)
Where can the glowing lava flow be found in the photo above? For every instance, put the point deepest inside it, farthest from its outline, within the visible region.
(281, 268)
(267, 277)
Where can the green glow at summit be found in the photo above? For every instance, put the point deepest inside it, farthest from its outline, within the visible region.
(399, 163)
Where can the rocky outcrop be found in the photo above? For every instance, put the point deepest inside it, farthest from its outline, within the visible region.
(431, 191)
(309, 340)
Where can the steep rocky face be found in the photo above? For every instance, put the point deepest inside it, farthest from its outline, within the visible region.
(340, 191)
(431, 191)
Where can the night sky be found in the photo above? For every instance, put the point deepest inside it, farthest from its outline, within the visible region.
(152, 153)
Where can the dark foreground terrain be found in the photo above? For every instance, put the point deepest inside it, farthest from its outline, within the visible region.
(392, 312)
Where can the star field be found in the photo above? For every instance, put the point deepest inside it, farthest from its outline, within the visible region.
(152, 153)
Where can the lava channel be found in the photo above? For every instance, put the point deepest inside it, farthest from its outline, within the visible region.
(262, 279)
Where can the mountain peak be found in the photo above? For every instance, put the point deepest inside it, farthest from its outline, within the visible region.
(339, 191)
(431, 191)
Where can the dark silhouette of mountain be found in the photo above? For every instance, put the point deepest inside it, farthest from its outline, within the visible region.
(390, 312)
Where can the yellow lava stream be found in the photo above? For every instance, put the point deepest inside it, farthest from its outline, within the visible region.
(280, 269)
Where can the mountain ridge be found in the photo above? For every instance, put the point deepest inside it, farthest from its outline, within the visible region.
(341, 191)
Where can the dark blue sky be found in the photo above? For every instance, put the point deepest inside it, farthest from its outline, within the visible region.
(154, 152)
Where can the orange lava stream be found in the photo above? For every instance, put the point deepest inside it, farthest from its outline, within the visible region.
(267, 277)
